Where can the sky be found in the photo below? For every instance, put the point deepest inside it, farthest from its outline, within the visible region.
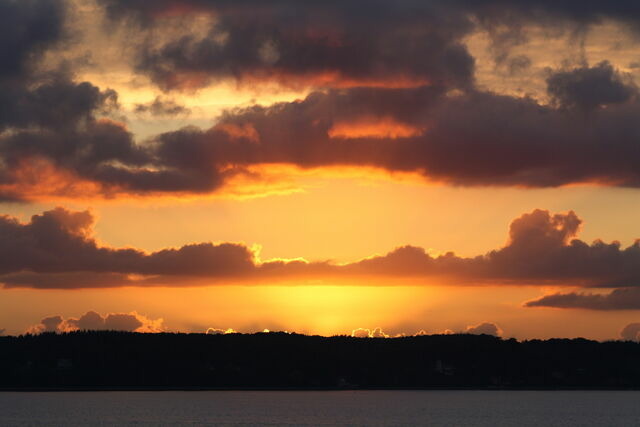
(374, 168)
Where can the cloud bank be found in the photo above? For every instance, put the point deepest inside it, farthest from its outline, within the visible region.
(56, 249)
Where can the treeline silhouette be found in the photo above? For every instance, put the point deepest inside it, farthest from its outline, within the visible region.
(121, 360)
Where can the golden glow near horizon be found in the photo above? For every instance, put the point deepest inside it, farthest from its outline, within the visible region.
(323, 310)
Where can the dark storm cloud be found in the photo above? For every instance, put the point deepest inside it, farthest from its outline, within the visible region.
(57, 250)
(323, 43)
(296, 42)
(618, 299)
(56, 103)
(27, 27)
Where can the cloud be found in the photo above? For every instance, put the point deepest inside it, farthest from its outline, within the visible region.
(27, 28)
(92, 321)
(330, 44)
(631, 332)
(327, 44)
(416, 130)
(56, 249)
(216, 331)
(162, 107)
(393, 100)
(485, 328)
(60, 241)
(618, 299)
(48, 324)
(541, 249)
(2, 331)
(369, 333)
(588, 88)
(360, 333)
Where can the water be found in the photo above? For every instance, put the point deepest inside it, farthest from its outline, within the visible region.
(371, 408)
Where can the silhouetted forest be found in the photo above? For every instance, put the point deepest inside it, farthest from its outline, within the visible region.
(120, 360)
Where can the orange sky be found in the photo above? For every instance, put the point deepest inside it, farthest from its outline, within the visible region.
(293, 204)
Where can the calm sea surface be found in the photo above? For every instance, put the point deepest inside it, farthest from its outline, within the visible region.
(388, 408)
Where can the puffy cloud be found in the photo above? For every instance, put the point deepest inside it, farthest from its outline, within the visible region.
(51, 324)
(92, 321)
(369, 333)
(60, 241)
(360, 333)
(587, 88)
(541, 249)
(485, 328)
(631, 332)
(2, 331)
(216, 331)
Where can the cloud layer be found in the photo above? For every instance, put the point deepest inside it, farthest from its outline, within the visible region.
(403, 98)
(56, 249)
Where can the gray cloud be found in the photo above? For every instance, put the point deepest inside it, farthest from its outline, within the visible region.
(51, 324)
(588, 88)
(322, 43)
(414, 39)
(618, 299)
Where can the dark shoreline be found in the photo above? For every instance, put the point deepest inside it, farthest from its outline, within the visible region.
(119, 361)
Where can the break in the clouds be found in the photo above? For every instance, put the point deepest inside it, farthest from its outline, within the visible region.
(56, 249)
(403, 98)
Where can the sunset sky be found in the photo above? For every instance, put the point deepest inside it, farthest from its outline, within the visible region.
(321, 166)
